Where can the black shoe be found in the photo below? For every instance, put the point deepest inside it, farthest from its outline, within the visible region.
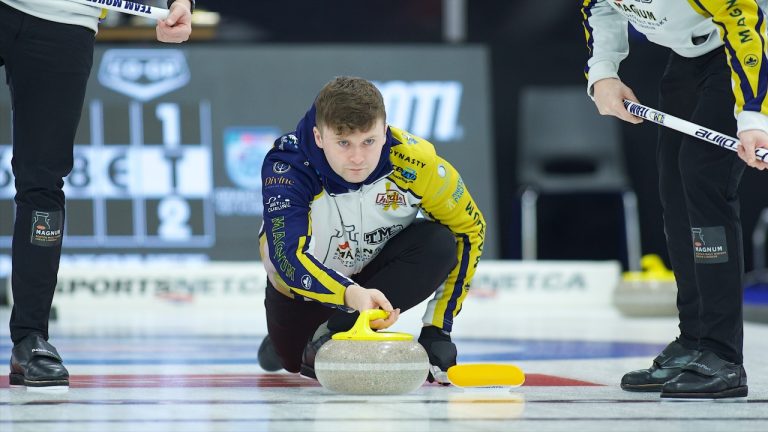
(707, 377)
(36, 363)
(268, 358)
(666, 366)
(310, 352)
(441, 351)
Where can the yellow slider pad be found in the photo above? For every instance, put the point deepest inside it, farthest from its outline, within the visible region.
(486, 375)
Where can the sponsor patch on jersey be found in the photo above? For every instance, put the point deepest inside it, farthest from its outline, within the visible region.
(280, 167)
(277, 203)
(270, 182)
(390, 200)
(288, 141)
(382, 234)
(441, 170)
(459, 191)
(409, 159)
(345, 254)
(407, 174)
(280, 260)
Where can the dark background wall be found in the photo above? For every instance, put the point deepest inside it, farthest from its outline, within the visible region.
(532, 43)
(528, 49)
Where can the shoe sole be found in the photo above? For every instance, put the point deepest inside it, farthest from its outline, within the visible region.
(267, 356)
(18, 380)
(737, 392)
(645, 388)
(438, 375)
(308, 372)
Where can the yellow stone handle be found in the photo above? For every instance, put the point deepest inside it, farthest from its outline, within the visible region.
(653, 270)
(362, 331)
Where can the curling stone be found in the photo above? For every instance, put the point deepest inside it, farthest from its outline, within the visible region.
(649, 293)
(366, 362)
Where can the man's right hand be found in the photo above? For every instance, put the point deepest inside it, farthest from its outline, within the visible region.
(609, 94)
(360, 299)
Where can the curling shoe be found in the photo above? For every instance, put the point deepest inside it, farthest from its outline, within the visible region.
(707, 377)
(322, 335)
(268, 358)
(441, 352)
(666, 366)
(36, 363)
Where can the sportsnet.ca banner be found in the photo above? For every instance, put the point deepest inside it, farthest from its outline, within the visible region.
(498, 285)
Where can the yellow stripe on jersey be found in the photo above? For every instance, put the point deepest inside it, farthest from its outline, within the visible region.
(281, 286)
(448, 295)
(585, 5)
(444, 199)
(337, 289)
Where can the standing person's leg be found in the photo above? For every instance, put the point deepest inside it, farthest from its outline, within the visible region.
(47, 67)
(677, 97)
(711, 178)
(409, 268)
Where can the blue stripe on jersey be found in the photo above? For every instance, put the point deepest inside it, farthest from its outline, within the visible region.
(458, 287)
(746, 89)
(756, 104)
(338, 277)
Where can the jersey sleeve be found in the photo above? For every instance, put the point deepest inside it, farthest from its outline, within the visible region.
(742, 29)
(287, 195)
(446, 200)
(606, 32)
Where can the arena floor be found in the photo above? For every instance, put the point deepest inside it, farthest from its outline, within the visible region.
(165, 374)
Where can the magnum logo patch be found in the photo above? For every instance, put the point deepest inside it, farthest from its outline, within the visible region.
(46, 228)
(709, 245)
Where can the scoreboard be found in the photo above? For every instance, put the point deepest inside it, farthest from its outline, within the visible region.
(141, 184)
(169, 148)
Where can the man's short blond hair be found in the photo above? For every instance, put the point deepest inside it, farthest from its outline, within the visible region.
(348, 104)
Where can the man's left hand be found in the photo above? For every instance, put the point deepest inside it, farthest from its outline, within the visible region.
(751, 140)
(178, 26)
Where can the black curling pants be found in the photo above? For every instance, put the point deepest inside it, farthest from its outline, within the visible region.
(409, 268)
(47, 66)
(698, 182)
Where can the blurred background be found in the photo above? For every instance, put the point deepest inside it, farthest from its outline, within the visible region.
(172, 137)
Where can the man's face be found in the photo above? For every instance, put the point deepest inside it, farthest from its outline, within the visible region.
(355, 155)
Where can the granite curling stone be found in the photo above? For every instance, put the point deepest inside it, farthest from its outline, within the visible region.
(365, 362)
(649, 293)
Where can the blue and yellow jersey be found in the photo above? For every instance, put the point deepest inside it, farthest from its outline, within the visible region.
(690, 28)
(316, 234)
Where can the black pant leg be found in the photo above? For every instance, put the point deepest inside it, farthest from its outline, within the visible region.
(711, 178)
(678, 97)
(47, 66)
(291, 323)
(703, 228)
(409, 268)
